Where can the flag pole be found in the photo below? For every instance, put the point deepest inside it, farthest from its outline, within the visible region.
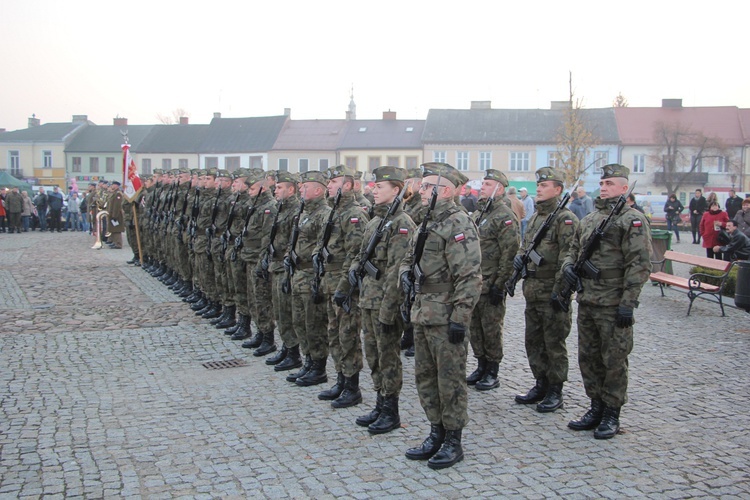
(137, 233)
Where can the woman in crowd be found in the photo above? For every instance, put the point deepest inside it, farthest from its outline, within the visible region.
(742, 217)
(673, 208)
(711, 225)
(28, 209)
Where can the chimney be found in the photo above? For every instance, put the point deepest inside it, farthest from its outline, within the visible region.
(671, 103)
(2, 130)
(184, 120)
(34, 121)
(80, 118)
(217, 115)
(389, 115)
(557, 105)
(481, 104)
(288, 112)
(120, 122)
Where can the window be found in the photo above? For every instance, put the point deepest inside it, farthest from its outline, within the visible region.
(212, 162)
(363, 129)
(304, 165)
(519, 161)
(76, 164)
(94, 165)
(283, 165)
(438, 156)
(256, 162)
(182, 163)
(722, 165)
(393, 161)
(323, 164)
(351, 162)
(373, 162)
(462, 160)
(639, 164)
(166, 164)
(15, 163)
(601, 158)
(553, 159)
(412, 162)
(110, 166)
(145, 166)
(46, 159)
(232, 163)
(485, 160)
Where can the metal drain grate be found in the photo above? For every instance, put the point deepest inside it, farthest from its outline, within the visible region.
(226, 363)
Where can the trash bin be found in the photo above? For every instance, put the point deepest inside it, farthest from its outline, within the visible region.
(742, 287)
(661, 241)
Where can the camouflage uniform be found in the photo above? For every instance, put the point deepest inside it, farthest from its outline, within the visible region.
(498, 235)
(236, 271)
(282, 303)
(415, 210)
(203, 263)
(623, 257)
(225, 199)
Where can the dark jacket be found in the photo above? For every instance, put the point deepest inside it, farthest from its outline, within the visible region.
(698, 204)
(742, 218)
(673, 209)
(738, 247)
(40, 201)
(733, 205)
(55, 201)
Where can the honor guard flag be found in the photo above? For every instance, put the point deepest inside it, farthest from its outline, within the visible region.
(131, 181)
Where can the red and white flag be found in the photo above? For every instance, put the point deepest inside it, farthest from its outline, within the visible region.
(131, 181)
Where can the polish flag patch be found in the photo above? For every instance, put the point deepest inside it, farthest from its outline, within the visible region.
(568, 222)
(403, 230)
(268, 211)
(459, 237)
(637, 223)
(508, 222)
(354, 220)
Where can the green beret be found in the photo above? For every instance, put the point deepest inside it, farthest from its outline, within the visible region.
(414, 173)
(195, 171)
(342, 171)
(314, 176)
(271, 173)
(240, 172)
(615, 170)
(144, 177)
(171, 173)
(254, 175)
(223, 173)
(158, 171)
(462, 178)
(183, 170)
(444, 170)
(287, 177)
(549, 174)
(211, 171)
(496, 175)
(358, 175)
(388, 173)
(202, 172)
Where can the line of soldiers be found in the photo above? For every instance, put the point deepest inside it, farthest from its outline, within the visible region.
(309, 256)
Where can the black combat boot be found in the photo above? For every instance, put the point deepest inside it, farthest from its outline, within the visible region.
(178, 283)
(477, 374)
(489, 380)
(229, 318)
(315, 375)
(429, 446)
(610, 424)
(243, 329)
(351, 396)
(232, 329)
(591, 419)
(215, 321)
(388, 419)
(450, 453)
(535, 394)
(278, 357)
(553, 400)
(267, 346)
(410, 352)
(214, 312)
(366, 420)
(194, 296)
(187, 291)
(335, 391)
(201, 306)
(292, 377)
(254, 342)
(132, 261)
(408, 339)
(291, 361)
(168, 277)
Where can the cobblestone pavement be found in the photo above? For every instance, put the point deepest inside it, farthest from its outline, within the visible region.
(103, 394)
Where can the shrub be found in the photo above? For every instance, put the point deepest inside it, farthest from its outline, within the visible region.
(728, 286)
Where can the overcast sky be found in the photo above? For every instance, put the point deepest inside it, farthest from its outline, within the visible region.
(137, 59)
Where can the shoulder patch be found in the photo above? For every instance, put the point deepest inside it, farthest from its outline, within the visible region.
(403, 230)
(568, 222)
(459, 237)
(354, 220)
(508, 222)
(637, 223)
(267, 211)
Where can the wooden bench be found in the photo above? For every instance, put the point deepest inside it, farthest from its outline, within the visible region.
(695, 285)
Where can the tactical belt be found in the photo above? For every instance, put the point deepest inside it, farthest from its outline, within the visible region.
(609, 274)
(541, 273)
(433, 288)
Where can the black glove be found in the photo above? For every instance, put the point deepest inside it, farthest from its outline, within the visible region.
(406, 282)
(518, 263)
(386, 328)
(317, 296)
(624, 317)
(287, 264)
(456, 333)
(570, 277)
(259, 272)
(339, 297)
(264, 263)
(317, 265)
(353, 278)
(555, 302)
(496, 295)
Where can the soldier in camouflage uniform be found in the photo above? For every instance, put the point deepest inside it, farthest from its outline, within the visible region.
(415, 209)
(183, 236)
(361, 200)
(447, 284)
(116, 223)
(308, 313)
(344, 344)
(285, 193)
(190, 232)
(499, 232)
(380, 298)
(605, 306)
(203, 258)
(131, 220)
(547, 326)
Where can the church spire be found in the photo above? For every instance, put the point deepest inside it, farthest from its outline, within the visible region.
(351, 113)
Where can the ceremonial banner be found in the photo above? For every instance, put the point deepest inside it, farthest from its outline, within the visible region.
(131, 181)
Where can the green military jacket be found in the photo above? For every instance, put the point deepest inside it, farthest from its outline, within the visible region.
(116, 219)
(311, 223)
(240, 204)
(546, 279)
(207, 199)
(287, 210)
(384, 294)
(623, 256)
(255, 244)
(451, 263)
(414, 209)
(222, 216)
(180, 202)
(499, 233)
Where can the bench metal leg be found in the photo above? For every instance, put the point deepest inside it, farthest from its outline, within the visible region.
(691, 296)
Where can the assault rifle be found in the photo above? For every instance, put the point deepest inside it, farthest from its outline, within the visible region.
(154, 219)
(488, 206)
(318, 263)
(171, 206)
(415, 274)
(211, 229)
(365, 265)
(583, 266)
(239, 241)
(194, 211)
(265, 263)
(180, 222)
(226, 236)
(292, 258)
(531, 255)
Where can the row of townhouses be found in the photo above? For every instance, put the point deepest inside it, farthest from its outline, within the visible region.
(706, 147)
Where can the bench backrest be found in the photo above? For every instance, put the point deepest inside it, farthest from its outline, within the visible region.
(694, 260)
